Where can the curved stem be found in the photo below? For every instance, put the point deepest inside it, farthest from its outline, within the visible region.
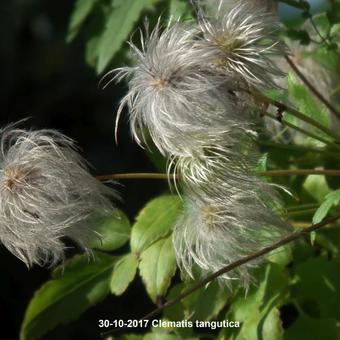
(301, 148)
(299, 172)
(272, 173)
(282, 107)
(312, 88)
(136, 175)
(301, 130)
(291, 237)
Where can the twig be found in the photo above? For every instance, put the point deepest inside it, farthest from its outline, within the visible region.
(299, 148)
(299, 172)
(301, 130)
(312, 88)
(282, 107)
(137, 175)
(272, 173)
(291, 237)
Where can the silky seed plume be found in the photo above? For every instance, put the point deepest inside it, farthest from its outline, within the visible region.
(46, 194)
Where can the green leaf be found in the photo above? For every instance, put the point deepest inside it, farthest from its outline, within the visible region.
(81, 11)
(307, 104)
(257, 312)
(73, 290)
(180, 9)
(331, 200)
(282, 256)
(310, 328)
(262, 163)
(207, 302)
(157, 266)
(123, 273)
(131, 337)
(155, 220)
(161, 336)
(317, 187)
(115, 231)
(317, 287)
(272, 326)
(124, 15)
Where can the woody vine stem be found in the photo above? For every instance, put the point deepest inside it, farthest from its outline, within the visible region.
(290, 238)
(271, 173)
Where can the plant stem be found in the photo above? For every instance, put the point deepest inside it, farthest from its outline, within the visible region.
(291, 237)
(300, 148)
(299, 172)
(283, 107)
(301, 130)
(272, 173)
(299, 213)
(137, 175)
(312, 88)
(303, 207)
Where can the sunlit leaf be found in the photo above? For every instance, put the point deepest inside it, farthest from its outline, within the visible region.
(155, 220)
(114, 231)
(331, 199)
(157, 267)
(257, 311)
(123, 273)
(124, 15)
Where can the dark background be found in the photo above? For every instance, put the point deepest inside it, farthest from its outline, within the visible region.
(48, 80)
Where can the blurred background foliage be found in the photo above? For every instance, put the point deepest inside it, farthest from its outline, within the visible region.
(53, 55)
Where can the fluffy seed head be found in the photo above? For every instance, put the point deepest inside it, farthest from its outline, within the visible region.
(243, 41)
(46, 194)
(172, 92)
(215, 231)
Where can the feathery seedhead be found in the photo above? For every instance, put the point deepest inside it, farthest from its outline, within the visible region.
(172, 92)
(215, 231)
(46, 194)
(242, 40)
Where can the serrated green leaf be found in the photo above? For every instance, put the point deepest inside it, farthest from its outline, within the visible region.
(115, 232)
(80, 285)
(124, 15)
(123, 273)
(81, 11)
(332, 199)
(155, 220)
(157, 266)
